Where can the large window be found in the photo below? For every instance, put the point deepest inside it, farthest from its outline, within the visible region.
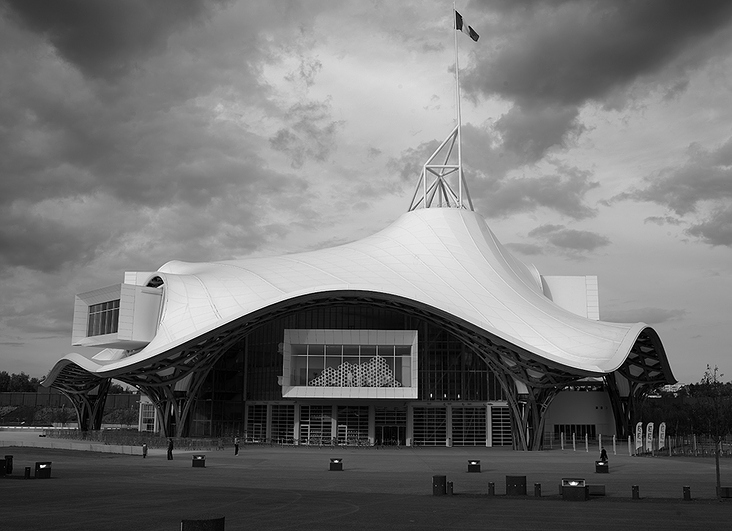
(256, 423)
(103, 318)
(350, 363)
(430, 426)
(501, 426)
(353, 424)
(283, 423)
(316, 425)
(147, 417)
(468, 426)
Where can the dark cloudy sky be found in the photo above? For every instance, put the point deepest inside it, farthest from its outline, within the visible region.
(597, 140)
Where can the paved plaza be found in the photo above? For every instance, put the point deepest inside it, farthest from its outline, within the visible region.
(267, 488)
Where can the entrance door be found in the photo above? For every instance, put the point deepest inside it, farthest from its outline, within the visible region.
(391, 426)
(391, 435)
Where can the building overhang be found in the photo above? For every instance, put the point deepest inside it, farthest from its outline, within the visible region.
(440, 264)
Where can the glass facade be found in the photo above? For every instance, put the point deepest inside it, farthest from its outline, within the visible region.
(316, 425)
(468, 426)
(455, 401)
(351, 365)
(147, 417)
(501, 426)
(103, 318)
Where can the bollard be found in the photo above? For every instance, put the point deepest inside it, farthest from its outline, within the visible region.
(687, 493)
(27, 472)
(491, 489)
(537, 490)
(636, 494)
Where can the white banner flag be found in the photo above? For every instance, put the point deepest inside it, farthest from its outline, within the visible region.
(649, 437)
(639, 435)
(662, 435)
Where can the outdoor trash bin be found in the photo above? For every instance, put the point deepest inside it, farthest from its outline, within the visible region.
(204, 524)
(43, 469)
(575, 489)
(199, 461)
(515, 485)
(439, 485)
(602, 467)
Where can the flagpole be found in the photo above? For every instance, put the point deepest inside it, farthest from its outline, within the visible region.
(457, 111)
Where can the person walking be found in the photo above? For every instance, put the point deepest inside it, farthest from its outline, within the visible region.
(170, 448)
(144, 450)
(603, 455)
(236, 445)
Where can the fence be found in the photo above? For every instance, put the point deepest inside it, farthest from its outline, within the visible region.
(681, 445)
(137, 438)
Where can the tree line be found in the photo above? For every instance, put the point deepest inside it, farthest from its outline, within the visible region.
(18, 383)
(23, 383)
(703, 408)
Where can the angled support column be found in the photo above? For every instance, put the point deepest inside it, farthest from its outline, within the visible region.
(528, 402)
(174, 385)
(89, 405)
(626, 399)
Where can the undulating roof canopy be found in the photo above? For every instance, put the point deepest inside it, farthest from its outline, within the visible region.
(442, 260)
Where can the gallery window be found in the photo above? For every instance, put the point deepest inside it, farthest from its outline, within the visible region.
(103, 318)
(349, 363)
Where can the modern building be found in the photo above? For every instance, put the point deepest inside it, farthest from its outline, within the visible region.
(427, 333)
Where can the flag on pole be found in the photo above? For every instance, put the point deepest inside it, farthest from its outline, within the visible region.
(460, 25)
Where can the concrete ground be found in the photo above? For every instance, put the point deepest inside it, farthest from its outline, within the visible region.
(268, 488)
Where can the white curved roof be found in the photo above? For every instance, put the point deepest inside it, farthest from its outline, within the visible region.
(444, 258)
